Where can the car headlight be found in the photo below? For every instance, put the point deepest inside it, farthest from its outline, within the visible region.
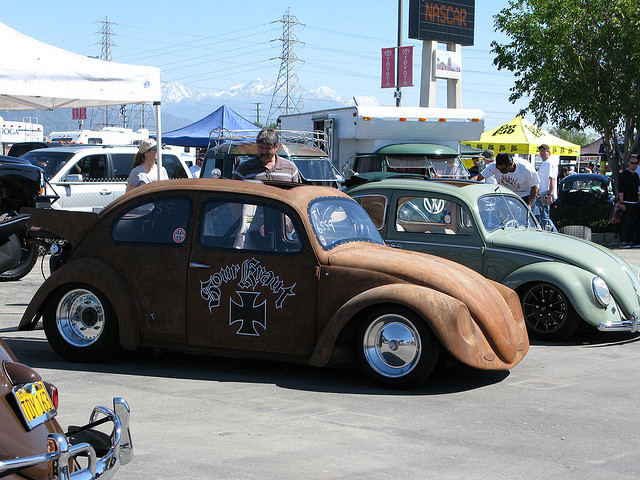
(601, 291)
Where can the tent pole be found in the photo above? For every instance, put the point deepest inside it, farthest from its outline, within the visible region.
(158, 138)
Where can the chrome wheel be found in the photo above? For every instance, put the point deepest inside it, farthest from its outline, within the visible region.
(80, 318)
(391, 346)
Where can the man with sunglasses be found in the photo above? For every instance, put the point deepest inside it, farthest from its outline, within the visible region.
(628, 184)
(517, 175)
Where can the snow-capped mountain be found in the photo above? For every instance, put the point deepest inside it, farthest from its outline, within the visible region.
(182, 105)
(251, 100)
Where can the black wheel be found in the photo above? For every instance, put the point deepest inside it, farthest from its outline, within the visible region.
(80, 323)
(28, 258)
(548, 312)
(579, 231)
(396, 348)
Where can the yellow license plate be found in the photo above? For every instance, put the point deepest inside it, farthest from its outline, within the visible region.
(35, 404)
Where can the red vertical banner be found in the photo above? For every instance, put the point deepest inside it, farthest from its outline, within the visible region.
(388, 67)
(78, 113)
(405, 66)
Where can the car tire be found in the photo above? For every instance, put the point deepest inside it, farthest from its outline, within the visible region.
(80, 323)
(548, 313)
(396, 348)
(27, 261)
(579, 231)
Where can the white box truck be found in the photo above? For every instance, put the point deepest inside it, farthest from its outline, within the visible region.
(366, 137)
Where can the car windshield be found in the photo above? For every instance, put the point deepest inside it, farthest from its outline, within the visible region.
(500, 211)
(339, 220)
(317, 169)
(50, 160)
(449, 167)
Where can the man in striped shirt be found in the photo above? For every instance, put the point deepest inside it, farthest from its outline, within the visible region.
(267, 165)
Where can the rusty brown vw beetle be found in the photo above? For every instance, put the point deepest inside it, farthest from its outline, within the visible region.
(241, 269)
(34, 446)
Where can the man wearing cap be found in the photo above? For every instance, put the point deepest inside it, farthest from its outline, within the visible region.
(517, 175)
(548, 174)
(489, 158)
(267, 164)
(144, 166)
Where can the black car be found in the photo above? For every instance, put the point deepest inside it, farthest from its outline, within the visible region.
(21, 185)
(585, 189)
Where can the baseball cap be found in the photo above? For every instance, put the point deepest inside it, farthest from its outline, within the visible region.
(146, 145)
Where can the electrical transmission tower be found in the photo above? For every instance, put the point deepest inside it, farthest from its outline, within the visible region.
(135, 116)
(105, 116)
(287, 96)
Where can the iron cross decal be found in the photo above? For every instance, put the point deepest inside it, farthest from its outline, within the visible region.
(248, 313)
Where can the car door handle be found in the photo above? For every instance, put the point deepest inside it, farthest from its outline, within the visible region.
(105, 192)
(394, 245)
(198, 265)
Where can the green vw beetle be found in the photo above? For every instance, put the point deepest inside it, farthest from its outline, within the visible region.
(563, 282)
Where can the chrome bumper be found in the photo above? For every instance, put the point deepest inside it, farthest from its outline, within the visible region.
(630, 325)
(61, 452)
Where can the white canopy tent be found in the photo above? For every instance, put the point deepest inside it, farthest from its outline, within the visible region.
(38, 76)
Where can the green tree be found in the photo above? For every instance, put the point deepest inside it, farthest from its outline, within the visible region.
(578, 61)
(579, 137)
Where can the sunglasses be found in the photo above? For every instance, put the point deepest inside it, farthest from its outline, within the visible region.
(633, 163)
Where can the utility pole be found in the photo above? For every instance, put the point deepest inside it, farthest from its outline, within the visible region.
(257, 112)
(287, 96)
(398, 92)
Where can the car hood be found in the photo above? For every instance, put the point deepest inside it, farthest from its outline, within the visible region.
(499, 318)
(621, 277)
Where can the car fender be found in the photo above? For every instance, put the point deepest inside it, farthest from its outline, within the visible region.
(95, 273)
(573, 281)
(448, 318)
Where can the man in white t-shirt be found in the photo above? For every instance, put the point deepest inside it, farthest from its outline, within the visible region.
(548, 174)
(517, 175)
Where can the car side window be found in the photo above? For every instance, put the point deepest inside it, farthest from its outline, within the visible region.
(375, 206)
(162, 221)
(90, 169)
(173, 166)
(246, 226)
(432, 215)
(122, 165)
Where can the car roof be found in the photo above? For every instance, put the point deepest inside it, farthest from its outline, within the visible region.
(295, 194)
(469, 189)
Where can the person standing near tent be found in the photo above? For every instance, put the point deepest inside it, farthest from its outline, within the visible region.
(194, 170)
(548, 174)
(267, 164)
(628, 184)
(517, 175)
(144, 166)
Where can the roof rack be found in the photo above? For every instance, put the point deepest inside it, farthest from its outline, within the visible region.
(222, 140)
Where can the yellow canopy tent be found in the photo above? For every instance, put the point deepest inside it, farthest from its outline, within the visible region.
(522, 137)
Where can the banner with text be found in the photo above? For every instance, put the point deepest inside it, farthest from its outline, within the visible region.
(388, 67)
(405, 66)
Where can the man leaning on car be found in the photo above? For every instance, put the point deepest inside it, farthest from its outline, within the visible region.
(267, 164)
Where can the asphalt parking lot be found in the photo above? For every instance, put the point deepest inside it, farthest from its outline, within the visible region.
(566, 411)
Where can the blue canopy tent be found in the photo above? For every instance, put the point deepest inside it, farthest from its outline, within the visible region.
(197, 134)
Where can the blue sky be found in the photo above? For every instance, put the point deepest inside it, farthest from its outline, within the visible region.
(213, 45)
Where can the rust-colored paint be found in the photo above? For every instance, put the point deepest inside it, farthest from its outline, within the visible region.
(159, 302)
